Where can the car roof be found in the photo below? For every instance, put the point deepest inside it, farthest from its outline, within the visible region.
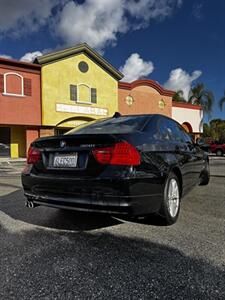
(150, 115)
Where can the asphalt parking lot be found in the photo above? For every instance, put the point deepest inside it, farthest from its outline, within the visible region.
(48, 253)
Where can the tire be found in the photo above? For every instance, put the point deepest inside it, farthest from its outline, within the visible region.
(219, 152)
(205, 176)
(170, 207)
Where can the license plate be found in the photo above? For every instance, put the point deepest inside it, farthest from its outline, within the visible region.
(65, 160)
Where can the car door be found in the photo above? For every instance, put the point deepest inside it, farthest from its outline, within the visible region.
(197, 156)
(175, 151)
(184, 157)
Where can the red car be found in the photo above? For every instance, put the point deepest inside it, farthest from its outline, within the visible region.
(218, 148)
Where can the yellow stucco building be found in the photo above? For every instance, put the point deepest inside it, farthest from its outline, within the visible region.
(76, 83)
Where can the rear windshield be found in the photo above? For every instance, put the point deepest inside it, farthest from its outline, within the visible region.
(112, 126)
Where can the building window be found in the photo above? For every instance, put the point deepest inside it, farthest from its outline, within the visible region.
(73, 92)
(93, 95)
(83, 66)
(13, 84)
(82, 93)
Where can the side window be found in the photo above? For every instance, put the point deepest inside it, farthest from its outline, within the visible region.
(159, 129)
(151, 129)
(176, 135)
(187, 138)
(165, 130)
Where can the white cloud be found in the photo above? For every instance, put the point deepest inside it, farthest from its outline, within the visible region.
(5, 56)
(25, 16)
(146, 10)
(30, 56)
(99, 22)
(181, 80)
(135, 67)
(96, 22)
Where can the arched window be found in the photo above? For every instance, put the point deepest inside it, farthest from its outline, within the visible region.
(82, 93)
(13, 84)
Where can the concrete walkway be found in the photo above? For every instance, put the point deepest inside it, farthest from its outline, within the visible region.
(9, 166)
(4, 161)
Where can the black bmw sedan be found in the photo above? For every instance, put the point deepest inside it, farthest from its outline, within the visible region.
(133, 165)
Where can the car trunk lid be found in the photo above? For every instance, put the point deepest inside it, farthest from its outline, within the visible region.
(72, 154)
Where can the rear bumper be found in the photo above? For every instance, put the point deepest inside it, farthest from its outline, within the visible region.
(117, 196)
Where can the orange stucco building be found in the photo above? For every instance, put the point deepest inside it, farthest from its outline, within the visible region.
(144, 97)
(20, 106)
(148, 97)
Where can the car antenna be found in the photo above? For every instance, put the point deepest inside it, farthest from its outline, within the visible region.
(117, 115)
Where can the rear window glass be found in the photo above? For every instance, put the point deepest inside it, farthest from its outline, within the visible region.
(112, 125)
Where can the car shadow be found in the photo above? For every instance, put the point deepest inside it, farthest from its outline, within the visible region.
(13, 204)
(151, 219)
(68, 265)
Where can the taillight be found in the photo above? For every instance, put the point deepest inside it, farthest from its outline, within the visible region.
(34, 155)
(121, 153)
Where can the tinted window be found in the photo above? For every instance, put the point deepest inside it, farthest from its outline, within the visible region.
(112, 125)
(187, 137)
(157, 129)
(166, 129)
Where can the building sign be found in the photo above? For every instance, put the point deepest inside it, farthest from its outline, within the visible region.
(87, 110)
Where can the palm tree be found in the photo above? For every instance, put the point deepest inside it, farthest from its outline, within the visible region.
(200, 96)
(222, 101)
(179, 96)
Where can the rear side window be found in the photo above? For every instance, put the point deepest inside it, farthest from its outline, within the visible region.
(165, 129)
(187, 137)
(112, 126)
(160, 129)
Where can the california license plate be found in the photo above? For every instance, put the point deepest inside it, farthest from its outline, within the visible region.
(65, 160)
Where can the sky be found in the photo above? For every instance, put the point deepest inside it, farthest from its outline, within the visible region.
(178, 43)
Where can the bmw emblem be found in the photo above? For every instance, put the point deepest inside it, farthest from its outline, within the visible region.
(62, 144)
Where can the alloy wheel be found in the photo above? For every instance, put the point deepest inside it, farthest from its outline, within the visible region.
(173, 197)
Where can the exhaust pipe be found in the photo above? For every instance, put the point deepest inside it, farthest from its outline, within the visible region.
(29, 203)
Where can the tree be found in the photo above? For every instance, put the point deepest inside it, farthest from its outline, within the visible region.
(179, 96)
(221, 102)
(217, 127)
(206, 130)
(199, 95)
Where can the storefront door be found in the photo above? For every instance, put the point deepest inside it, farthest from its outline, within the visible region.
(4, 141)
